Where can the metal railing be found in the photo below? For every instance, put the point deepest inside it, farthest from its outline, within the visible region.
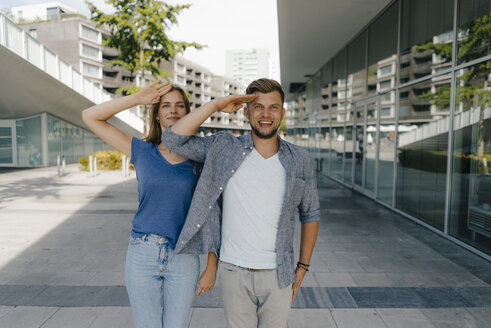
(24, 45)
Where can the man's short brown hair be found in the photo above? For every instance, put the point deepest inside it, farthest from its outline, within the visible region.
(265, 86)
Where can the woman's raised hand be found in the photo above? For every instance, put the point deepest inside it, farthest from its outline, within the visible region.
(233, 103)
(151, 94)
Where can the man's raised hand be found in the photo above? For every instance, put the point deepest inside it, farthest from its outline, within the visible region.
(233, 103)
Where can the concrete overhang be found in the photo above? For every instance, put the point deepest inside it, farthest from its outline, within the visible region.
(25, 90)
(311, 32)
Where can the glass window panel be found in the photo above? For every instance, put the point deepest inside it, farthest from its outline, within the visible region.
(426, 37)
(337, 147)
(422, 150)
(90, 51)
(356, 67)
(382, 47)
(386, 148)
(54, 140)
(78, 144)
(328, 154)
(473, 30)
(52, 13)
(91, 69)
(29, 142)
(90, 33)
(370, 154)
(67, 141)
(348, 152)
(359, 144)
(316, 93)
(338, 116)
(470, 210)
(6, 156)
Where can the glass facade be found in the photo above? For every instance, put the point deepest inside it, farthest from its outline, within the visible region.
(402, 113)
(32, 144)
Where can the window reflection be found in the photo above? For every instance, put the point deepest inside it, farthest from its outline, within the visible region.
(382, 50)
(426, 37)
(422, 150)
(474, 38)
(471, 178)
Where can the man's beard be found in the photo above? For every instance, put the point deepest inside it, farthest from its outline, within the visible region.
(262, 135)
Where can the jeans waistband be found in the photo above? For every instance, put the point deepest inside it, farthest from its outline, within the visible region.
(151, 237)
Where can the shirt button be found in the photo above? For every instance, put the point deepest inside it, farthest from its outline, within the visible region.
(221, 188)
(182, 242)
(198, 225)
(209, 207)
(244, 153)
(233, 171)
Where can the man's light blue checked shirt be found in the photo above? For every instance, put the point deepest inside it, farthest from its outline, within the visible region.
(222, 154)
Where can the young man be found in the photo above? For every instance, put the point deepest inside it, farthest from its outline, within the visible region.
(255, 185)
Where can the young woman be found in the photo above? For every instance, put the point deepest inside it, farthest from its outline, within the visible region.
(161, 285)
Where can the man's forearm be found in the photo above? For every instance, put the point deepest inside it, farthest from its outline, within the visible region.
(307, 243)
(188, 125)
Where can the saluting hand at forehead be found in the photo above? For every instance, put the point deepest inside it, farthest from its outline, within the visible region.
(233, 103)
(151, 94)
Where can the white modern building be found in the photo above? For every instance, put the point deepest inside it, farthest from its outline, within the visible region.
(247, 65)
(41, 12)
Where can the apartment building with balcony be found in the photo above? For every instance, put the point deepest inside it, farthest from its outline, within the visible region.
(202, 86)
(71, 35)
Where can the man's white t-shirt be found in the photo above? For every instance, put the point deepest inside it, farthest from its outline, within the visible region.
(252, 204)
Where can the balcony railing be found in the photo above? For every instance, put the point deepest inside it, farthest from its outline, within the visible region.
(23, 44)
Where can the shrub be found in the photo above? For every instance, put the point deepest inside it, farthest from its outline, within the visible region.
(106, 160)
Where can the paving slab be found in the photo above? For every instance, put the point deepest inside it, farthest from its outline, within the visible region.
(404, 318)
(349, 318)
(27, 317)
(207, 318)
(114, 317)
(311, 318)
(79, 317)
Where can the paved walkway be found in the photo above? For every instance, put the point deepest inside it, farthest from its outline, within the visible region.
(63, 243)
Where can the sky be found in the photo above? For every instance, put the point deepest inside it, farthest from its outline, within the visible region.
(219, 24)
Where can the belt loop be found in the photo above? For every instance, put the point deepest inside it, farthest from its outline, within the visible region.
(144, 237)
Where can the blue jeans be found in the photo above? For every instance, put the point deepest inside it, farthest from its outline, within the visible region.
(160, 285)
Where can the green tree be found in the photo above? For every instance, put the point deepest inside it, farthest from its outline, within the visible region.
(138, 31)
